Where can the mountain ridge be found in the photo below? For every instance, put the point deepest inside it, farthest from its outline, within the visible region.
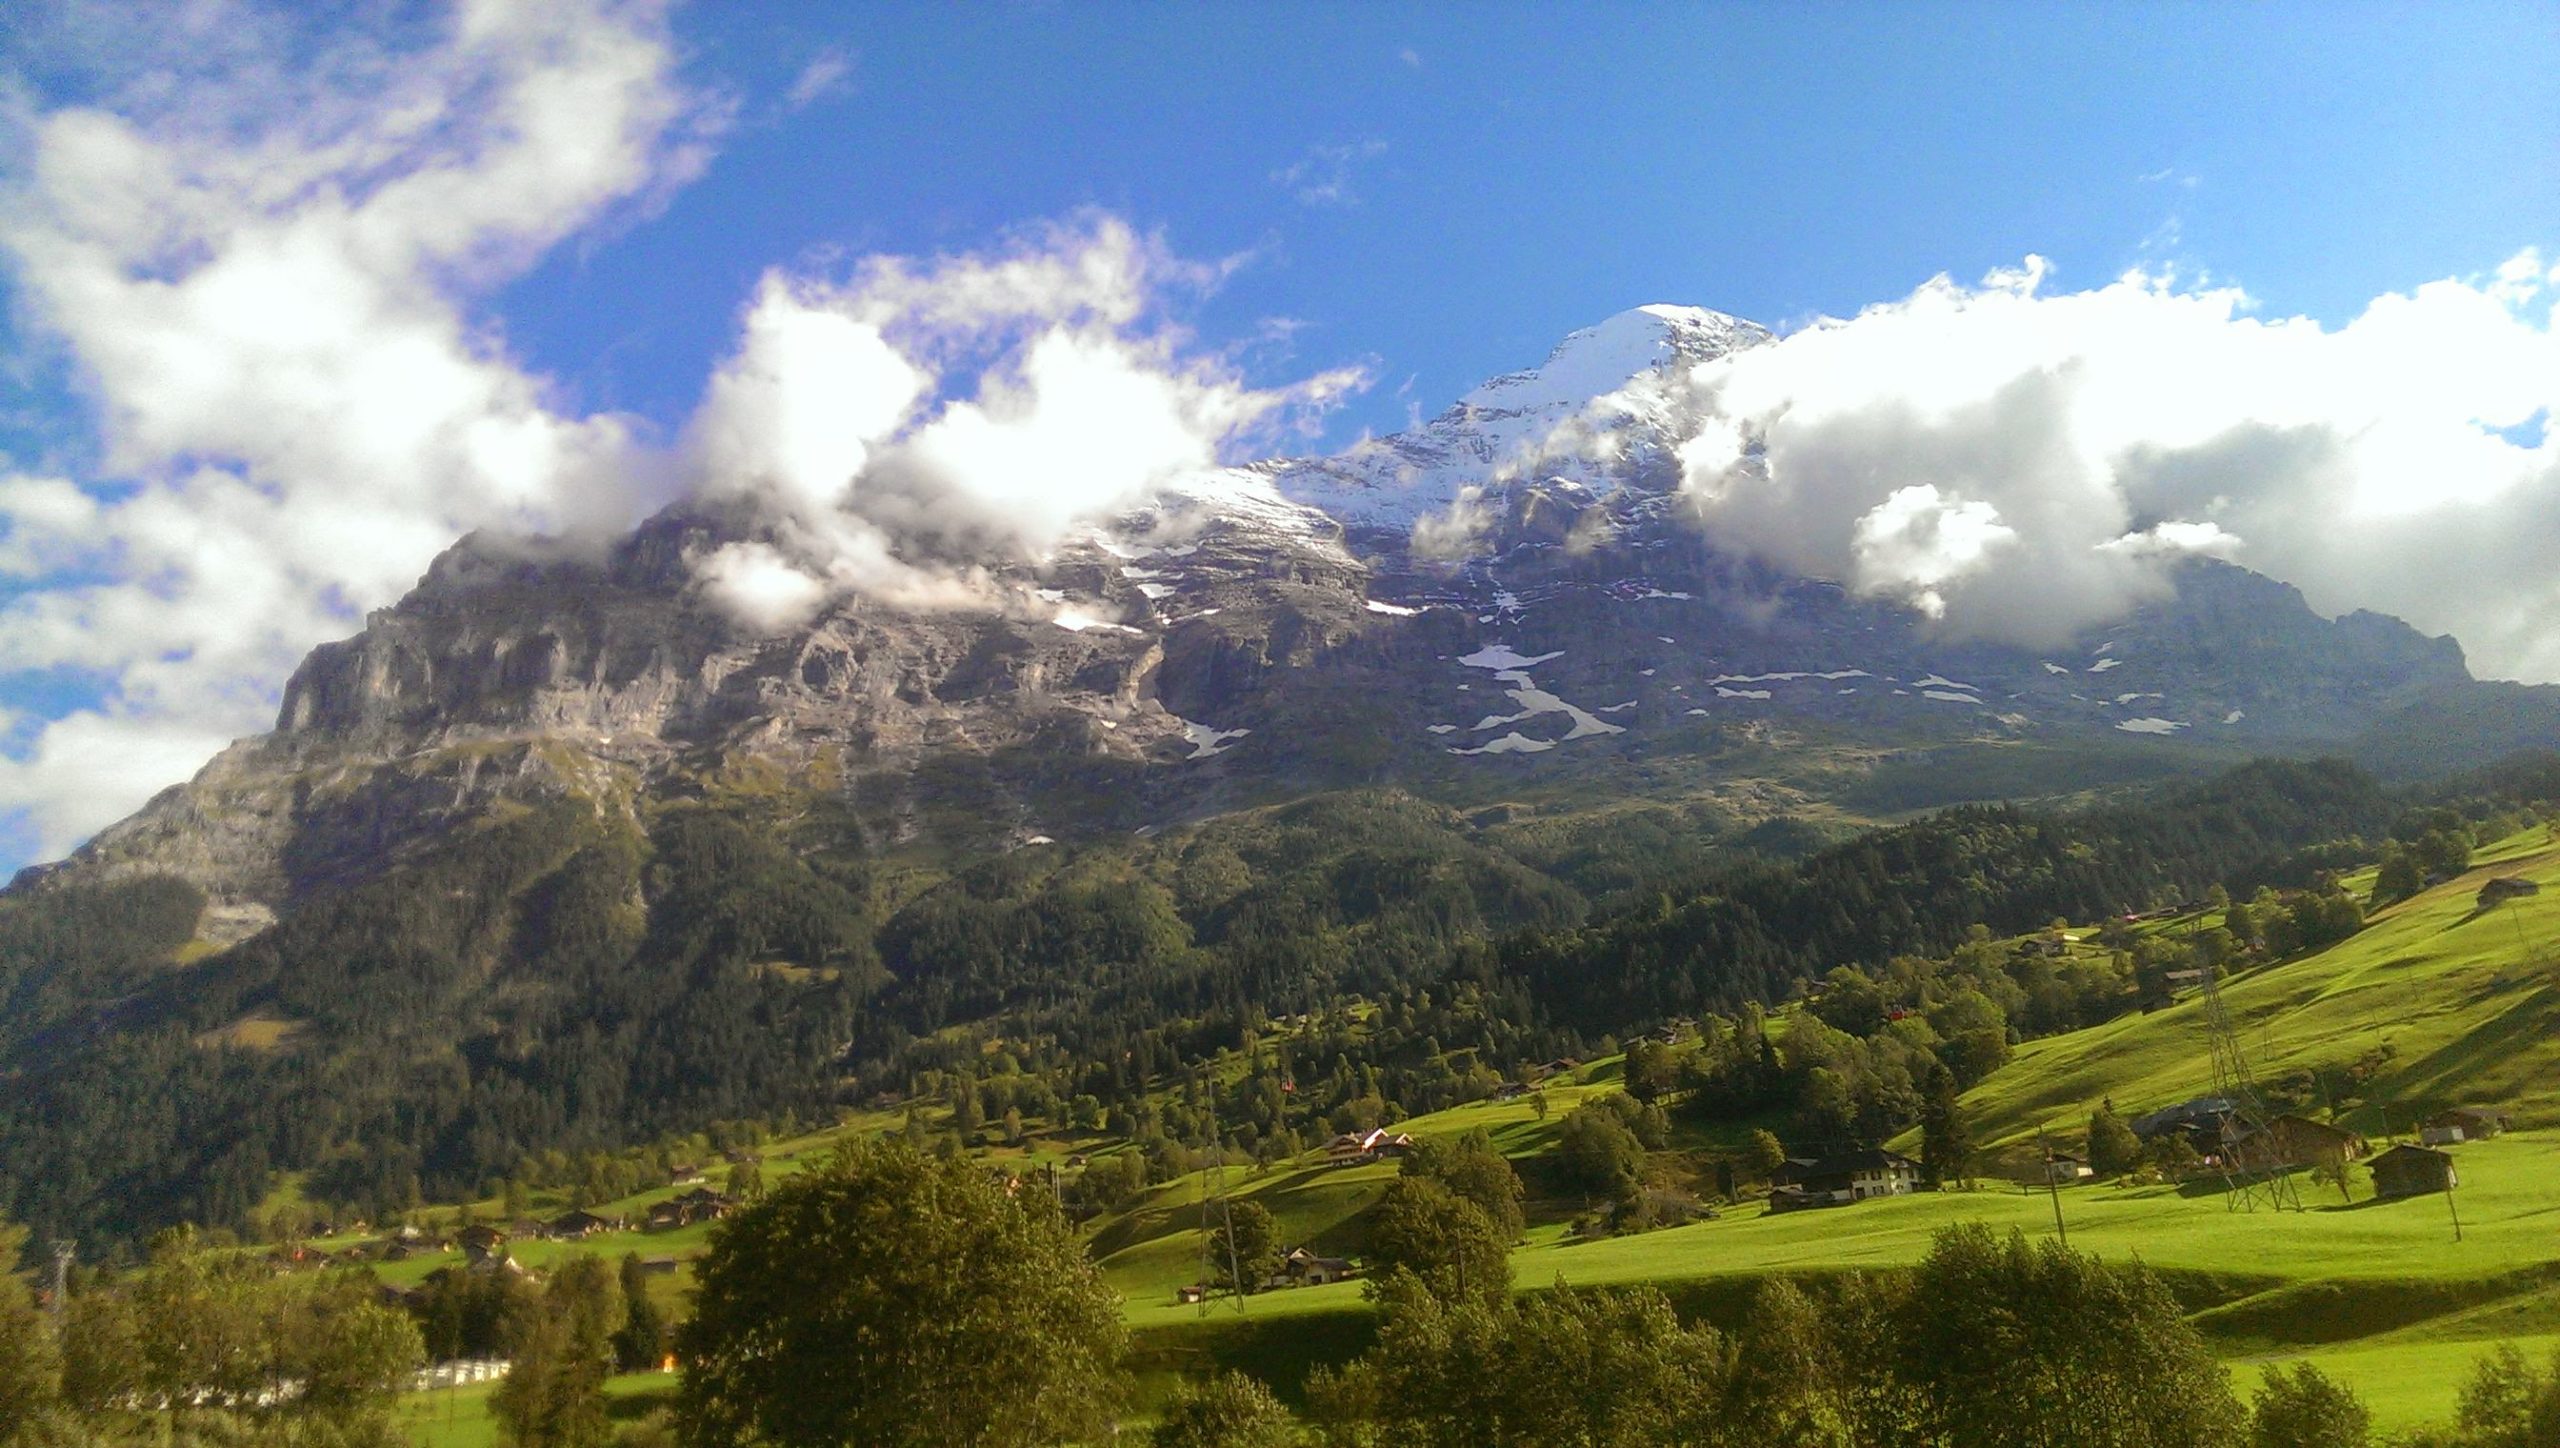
(1242, 636)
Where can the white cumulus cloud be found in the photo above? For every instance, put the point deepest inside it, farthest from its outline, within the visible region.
(2023, 463)
(900, 426)
(254, 251)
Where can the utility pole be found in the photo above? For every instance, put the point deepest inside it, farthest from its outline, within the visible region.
(2053, 1189)
(64, 1249)
(2448, 1201)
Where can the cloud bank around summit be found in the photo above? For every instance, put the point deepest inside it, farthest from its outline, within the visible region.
(894, 427)
(259, 254)
(2023, 463)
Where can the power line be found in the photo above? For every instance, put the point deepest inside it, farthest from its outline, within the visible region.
(2244, 1113)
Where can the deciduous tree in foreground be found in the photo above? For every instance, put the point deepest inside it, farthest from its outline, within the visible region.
(895, 1300)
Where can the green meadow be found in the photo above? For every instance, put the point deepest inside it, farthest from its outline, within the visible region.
(2379, 1293)
(2457, 1005)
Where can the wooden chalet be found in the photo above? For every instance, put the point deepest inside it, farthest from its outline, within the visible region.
(2291, 1141)
(1354, 1147)
(2460, 1124)
(2408, 1171)
(1303, 1267)
(683, 1210)
(577, 1226)
(2503, 888)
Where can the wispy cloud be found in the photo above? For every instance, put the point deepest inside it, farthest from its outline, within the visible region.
(1410, 56)
(1323, 176)
(828, 73)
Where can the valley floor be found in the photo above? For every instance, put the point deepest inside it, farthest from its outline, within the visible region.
(2385, 1296)
(2380, 1294)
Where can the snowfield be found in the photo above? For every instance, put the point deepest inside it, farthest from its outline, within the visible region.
(1208, 739)
(1512, 743)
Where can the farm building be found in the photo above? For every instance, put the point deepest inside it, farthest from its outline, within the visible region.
(575, 1226)
(1509, 1091)
(480, 1241)
(2506, 887)
(2461, 1124)
(2291, 1140)
(1304, 1268)
(2408, 1171)
(1838, 1181)
(699, 1205)
(2202, 1118)
(2064, 1168)
(1354, 1147)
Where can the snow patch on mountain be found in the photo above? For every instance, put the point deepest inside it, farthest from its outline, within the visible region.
(1503, 656)
(1512, 743)
(1208, 739)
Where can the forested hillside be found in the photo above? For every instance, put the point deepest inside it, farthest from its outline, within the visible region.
(559, 982)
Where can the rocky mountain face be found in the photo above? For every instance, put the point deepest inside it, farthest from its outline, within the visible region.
(1449, 610)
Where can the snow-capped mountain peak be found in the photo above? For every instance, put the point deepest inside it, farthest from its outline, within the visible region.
(1596, 361)
(1535, 425)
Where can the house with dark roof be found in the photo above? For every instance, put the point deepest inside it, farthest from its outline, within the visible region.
(699, 1205)
(1304, 1267)
(576, 1226)
(2207, 1124)
(2504, 888)
(2459, 1124)
(1352, 1148)
(2205, 1115)
(1842, 1179)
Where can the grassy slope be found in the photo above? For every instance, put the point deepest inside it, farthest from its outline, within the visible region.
(2378, 1293)
(2468, 1001)
(460, 1417)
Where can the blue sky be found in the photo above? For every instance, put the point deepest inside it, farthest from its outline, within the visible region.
(291, 302)
(1510, 173)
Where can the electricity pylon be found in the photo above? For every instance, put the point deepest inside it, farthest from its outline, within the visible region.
(2246, 1116)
